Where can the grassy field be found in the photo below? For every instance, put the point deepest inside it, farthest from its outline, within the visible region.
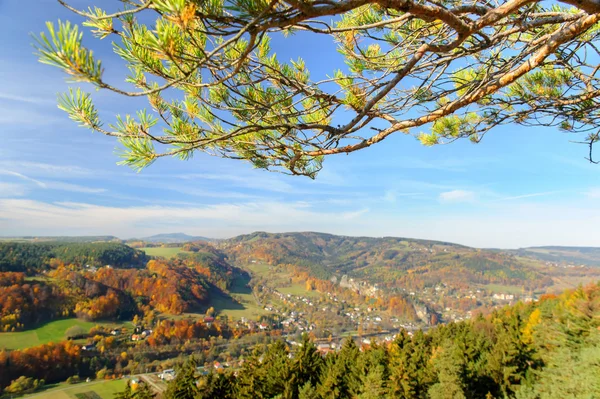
(503, 289)
(104, 389)
(164, 252)
(245, 306)
(298, 289)
(279, 280)
(53, 331)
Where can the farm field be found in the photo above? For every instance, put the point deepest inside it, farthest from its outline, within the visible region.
(164, 252)
(84, 390)
(53, 331)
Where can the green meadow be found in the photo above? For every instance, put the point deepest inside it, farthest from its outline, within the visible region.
(53, 331)
(162, 252)
(84, 390)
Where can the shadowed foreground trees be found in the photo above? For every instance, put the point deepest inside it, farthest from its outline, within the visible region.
(438, 70)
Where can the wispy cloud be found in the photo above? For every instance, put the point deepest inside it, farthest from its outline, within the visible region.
(393, 195)
(10, 190)
(268, 183)
(444, 164)
(76, 188)
(508, 226)
(516, 197)
(457, 196)
(18, 116)
(26, 99)
(593, 192)
(54, 185)
(22, 216)
(354, 214)
(42, 169)
(23, 177)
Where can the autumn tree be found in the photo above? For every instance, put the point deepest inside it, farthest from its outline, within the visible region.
(438, 70)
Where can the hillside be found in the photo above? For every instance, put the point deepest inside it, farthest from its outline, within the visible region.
(448, 279)
(35, 256)
(589, 256)
(376, 258)
(108, 281)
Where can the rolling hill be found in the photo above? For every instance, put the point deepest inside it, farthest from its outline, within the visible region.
(589, 256)
(404, 263)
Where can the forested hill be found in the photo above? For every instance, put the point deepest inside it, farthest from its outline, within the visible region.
(571, 255)
(342, 254)
(32, 257)
(336, 250)
(405, 264)
(335, 253)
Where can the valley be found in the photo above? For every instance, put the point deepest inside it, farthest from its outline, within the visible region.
(105, 310)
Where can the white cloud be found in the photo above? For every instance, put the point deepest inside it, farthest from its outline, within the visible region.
(507, 225)
(9, 190)
(20, 216)
(457, 196)
(594, 193)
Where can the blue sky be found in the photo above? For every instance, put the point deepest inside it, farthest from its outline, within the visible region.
(519, 187)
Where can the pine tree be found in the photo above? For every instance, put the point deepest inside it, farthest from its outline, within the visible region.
(307, 364)
(403, 378)
(216, 385)
(341, 376)
(449, 365)
(250, 380)
(184, 385)
(278, 376)
(393, 73)
(511, 356)
(332, 380)
(307, 391)
(373, 384)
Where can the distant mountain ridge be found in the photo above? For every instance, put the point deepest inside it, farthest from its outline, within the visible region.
(62, 238)
(172, 238)
(562, 254)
